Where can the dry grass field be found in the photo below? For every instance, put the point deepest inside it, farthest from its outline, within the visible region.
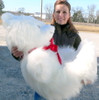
(87, 27)
(83, 27)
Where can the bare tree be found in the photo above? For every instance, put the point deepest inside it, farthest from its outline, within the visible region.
(49, 11)
(97, 17)
(97, 13)
(91, 13)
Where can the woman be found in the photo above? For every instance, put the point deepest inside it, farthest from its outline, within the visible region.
(65, 33)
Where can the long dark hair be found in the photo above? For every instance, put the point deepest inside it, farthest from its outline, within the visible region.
(65, 2)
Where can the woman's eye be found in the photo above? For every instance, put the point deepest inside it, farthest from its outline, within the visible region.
(58, 12)
(64, 12)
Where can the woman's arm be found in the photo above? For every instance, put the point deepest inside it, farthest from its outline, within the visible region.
(77, 42)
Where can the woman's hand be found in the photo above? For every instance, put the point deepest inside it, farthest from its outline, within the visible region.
(17, 53)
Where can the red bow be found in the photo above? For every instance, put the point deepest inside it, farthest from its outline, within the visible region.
(54, 48)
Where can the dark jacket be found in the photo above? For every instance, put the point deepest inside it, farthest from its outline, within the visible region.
(65, 37)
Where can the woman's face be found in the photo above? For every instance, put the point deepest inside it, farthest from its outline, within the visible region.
(61, 14)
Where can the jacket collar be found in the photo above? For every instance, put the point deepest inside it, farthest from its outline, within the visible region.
(62, 28)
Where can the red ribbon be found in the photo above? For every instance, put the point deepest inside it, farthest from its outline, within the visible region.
(31, 50)
(52, 47)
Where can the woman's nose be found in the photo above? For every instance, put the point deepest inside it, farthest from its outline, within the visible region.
(61, 14)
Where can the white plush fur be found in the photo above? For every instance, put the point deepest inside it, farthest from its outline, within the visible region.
(23, 32)
(41, 68)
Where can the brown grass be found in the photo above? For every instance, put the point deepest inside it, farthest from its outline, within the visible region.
(83, 27)
(87, 28)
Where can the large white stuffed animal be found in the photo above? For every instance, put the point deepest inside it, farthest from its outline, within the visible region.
(41, 67)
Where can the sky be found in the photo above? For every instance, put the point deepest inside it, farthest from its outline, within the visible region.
(33, 6)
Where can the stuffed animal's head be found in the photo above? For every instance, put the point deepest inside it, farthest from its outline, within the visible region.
(26, 32)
